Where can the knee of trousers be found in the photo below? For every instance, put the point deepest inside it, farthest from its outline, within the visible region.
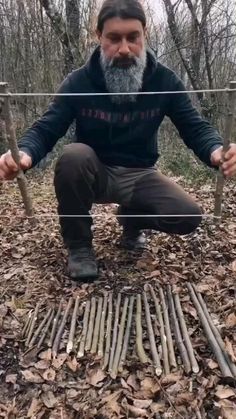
(189, 224)
(75, 159)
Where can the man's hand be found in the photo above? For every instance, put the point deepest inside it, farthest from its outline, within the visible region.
(8, 167)
(227, 162)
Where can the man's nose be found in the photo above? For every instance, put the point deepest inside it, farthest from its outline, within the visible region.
(124, 48)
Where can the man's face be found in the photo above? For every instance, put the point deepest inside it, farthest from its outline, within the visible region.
(122, 40)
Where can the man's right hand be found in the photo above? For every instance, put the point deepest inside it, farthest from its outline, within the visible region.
(8, 167)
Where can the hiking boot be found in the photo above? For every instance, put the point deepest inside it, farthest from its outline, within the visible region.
(133, 239)
(82, 263)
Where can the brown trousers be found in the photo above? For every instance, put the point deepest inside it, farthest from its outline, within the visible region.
(81, 180)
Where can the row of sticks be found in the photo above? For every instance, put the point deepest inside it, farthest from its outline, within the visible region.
(106, 332)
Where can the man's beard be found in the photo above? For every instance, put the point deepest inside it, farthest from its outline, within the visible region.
(123, 75)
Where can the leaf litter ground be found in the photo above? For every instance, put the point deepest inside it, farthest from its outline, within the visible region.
(33, 268)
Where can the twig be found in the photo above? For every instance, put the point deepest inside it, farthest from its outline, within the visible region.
(89, 336)
(216, 332)
(40, 342)
(97, 326)
(171, 352)
(127, 334)
(119, 339)
(70, 343)
(34, 319)
(179, 341)
(186, 338)
(54, 325)
(40, 328)
(11, 136)
(26, 326)
(162, 331)
(108, 332)
(84, 331)
(227, 137)
(114, 336)
(210, 336)
(155, 355)
(102, 326)
(139, 332)
(57, 339)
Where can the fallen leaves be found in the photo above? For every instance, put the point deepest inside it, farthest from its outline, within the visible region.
(95, 377)
(231, 321)
(32, 377)
(225, 392)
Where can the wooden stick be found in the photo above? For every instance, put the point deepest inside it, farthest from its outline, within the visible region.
(216, 332)
(70, 343)
(227, 138)
(84, 331)
(115, 327)
(155, 356)
(40, 328)
(34, 319)
(57, 339)
(127, 334)
(102, 326)
(119, 339)
(97, 326)
(210, 336)
(40, 342)
(139, 332)
(89, 336)
(178, 337)
(54, 326)
(11, 136)
(171, 352)
(108, 331)
(162, 331)
(184, 330)
(26, 326)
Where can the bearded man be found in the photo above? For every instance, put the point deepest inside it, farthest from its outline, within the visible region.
(113, 156)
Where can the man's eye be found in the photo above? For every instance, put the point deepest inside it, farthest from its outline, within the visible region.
(132, 38)
(114, 39)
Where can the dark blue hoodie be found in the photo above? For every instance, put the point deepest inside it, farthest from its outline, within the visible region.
(126, 134)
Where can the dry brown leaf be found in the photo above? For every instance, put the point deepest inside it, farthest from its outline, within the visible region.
(233, 266)
(142, 404)
(136, 412)
(154, 274)
(11, 378)
(189, 309)
(212, 364)
(225, 392)
(228, 409)
(49, 375)
(230, 349)
(171, 378)
(42, 365)
(133, 382)
(72, 393)
(32, 377)
(95, 377)
(48, 399)
(158, 407)
(59, 360)
(231, 320)
(47, 355)
(72, 364)
(184, 399)
(124, 384)
(35, 407)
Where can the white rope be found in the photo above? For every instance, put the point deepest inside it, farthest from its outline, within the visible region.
(119, 94)
(47, 215)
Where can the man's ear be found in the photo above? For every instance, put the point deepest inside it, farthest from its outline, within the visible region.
(145, 32)
(99, 34)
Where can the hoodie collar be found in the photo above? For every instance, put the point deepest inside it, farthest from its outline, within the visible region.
(94, 70)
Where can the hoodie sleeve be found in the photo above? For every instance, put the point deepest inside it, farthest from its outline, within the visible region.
(196, 132)
(45, 132)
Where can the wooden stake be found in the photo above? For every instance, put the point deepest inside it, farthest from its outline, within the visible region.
(178, 337)
(127, 334)
(155, 356)
(84, 331)
(89, 336)
(210, 336)
(139, 332)
(162, 331)
(97, 326)
(187, 341)
(26, 326)
(227, 138)
(115, 327)
(102, 326)
(40, 328)
(54, 325)
(40, 342)
(171, 352)
(57, 339)
(119, 339)
(34, 319)
(108, 332)
(70, 343)
(11, 137)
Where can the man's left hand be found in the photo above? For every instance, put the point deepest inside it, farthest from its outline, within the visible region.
(227, 162)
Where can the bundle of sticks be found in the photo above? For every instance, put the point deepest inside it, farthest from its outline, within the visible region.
(105, 328)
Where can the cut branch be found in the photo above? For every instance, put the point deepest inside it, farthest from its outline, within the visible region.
(108, 332)
(127, 334)
(210, 336)
(84, 331)
(72, 327)
(40, 328)
(97, 326)
(139, 332)
(34, 319)
(179, 341)
(102, 326)
(170, 345)
(89, 336)
(120, 339)
(162, 331)
(114, 336)
(56, 342)
(155, 356)
(41, 340)
(54, 325)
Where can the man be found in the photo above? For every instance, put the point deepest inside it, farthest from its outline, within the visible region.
(115, 148)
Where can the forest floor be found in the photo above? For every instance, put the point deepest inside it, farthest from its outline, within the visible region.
(33, 269)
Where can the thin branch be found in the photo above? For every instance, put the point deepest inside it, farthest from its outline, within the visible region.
(34, 319)
(40, 328)
(155, 356)
(170, 345)
(97, 326)
(119, 339)
(102, 326)
(127, 334)
(139, 332)
(108, 332)
(40, 342)
(54, 325)
(89, 336)
(84, 331)
(57, 339)
(72, 327)
(114, 336)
